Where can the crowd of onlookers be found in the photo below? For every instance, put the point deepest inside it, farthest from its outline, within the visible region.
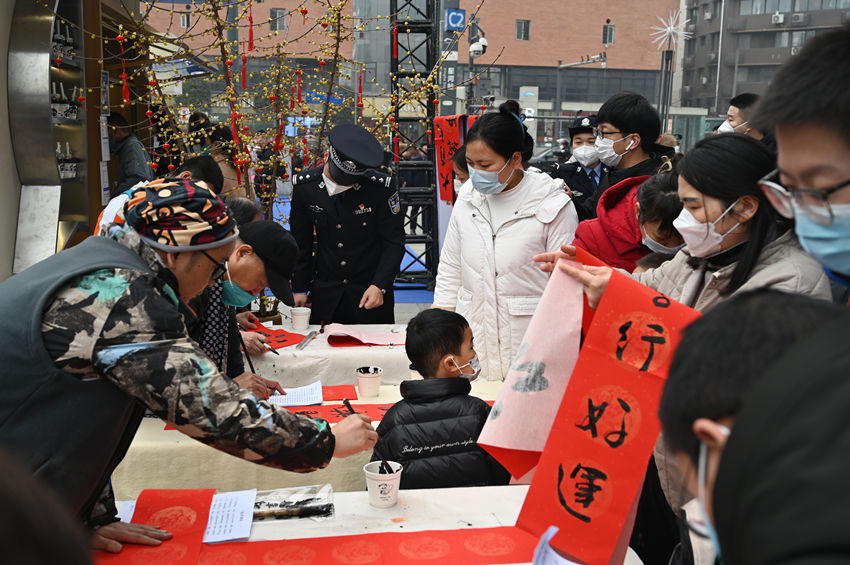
(750, 227)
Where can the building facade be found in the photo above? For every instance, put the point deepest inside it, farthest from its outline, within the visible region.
(738, 45)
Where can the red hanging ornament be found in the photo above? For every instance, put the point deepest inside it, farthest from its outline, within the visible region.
(125, 90)
(304, 14)
(306, 159)
(395, 150)
(394, 38)
(324, 24)
(360, 89)
(299, 88)
(57, 61)
(171, 167)
(153, 166)
(250, 26)
(149, 113)
(166, 146)
(322, 66)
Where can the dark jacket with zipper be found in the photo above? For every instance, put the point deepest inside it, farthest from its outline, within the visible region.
(433, 432)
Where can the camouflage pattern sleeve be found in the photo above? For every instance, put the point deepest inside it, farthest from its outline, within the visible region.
(124, 325)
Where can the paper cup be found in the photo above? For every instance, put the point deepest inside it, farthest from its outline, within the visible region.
(383, 489)
(300, 318)
(368, 381)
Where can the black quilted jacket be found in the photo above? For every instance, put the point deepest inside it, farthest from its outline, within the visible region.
(433, 431)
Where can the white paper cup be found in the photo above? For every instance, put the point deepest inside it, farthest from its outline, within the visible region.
(300, 318)
(368, 381)
(383, 489)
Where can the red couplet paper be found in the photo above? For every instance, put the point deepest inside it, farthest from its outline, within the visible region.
(450, 547)
(447, 140)
(595, 457)
(339, 392)
(184, 513)
(277, 339)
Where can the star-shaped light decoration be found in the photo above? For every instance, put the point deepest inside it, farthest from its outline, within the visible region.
(668, 32)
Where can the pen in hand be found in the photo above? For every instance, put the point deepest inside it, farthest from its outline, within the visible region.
(348, 405)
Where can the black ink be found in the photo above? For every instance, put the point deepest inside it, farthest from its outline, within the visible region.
(652, 340)
(594, 414)
(624, 339)
(585, 488)
(661, 301)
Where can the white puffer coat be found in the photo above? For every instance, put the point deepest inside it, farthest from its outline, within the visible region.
(489, 278)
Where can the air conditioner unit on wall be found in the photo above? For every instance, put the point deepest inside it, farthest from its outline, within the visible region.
(777, 19)
(707, 16)
(800, 18)
(690, 28)
(712, 57)
(795, 49)
(703, 80)
(686, 89)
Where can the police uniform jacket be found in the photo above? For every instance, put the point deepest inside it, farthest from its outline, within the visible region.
(359, 239)
(584, 196)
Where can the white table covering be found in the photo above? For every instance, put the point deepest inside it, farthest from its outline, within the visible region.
(167, 459)
(333, 365)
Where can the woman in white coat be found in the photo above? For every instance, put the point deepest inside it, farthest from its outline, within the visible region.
(503, 216)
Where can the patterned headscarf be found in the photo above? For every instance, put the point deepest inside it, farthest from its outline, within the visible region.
(179, 215)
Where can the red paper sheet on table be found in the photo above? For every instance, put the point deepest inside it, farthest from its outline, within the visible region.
(537, 379)
(277, 339)
(339, 392)
(595, 458)
(184, 513)
(340, 335)
(450, 547)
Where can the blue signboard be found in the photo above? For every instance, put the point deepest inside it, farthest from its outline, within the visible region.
(455, 19)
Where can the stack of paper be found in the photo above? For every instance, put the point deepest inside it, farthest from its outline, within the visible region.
(301, 396)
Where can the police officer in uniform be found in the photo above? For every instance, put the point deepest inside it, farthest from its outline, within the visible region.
(583, 171)
(359, 235)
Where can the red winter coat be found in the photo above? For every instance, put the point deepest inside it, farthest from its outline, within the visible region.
(614, 236)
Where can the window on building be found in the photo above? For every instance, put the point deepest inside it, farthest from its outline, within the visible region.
(756, 74)
(277, 19)
(744, 41)
(745, 8)
(523, 30)
(715, 37)
(782, 39)
(185, 21)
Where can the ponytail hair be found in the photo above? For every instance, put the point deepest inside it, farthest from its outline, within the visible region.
(503, 132)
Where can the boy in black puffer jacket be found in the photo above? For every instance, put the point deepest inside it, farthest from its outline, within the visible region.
(433, 431)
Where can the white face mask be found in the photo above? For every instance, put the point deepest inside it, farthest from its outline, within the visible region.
(656, 247)
(605, 149)
(586, 155)
(726, 127)
(473, 364)
(487, 182)
(332, 187)
(702, 239)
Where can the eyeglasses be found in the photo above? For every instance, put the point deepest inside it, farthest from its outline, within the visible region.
(812, 201)
(599, 133)
(220, 268)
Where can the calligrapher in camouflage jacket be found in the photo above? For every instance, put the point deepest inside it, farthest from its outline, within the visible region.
(102, 339)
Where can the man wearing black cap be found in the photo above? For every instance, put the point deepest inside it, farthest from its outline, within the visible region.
(264, 256)
(583, 171)
(359, 237)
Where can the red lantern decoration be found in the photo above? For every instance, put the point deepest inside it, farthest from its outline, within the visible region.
(244, 71)
(153, 166)
(166, 146)
(171, 167)
(57, 61)
(149, 113)
(322, 66)
(304, 14)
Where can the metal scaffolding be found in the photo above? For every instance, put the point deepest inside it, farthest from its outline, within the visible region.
(415, 51)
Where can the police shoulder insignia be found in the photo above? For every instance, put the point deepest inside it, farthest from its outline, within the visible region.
(395, 205)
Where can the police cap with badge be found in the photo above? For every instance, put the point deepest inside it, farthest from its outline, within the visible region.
(582, 124)
(353, 151)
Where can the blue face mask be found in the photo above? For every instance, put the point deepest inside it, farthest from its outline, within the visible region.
(830, 245)
(710, 532)
(232, 294)
(487, 182)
